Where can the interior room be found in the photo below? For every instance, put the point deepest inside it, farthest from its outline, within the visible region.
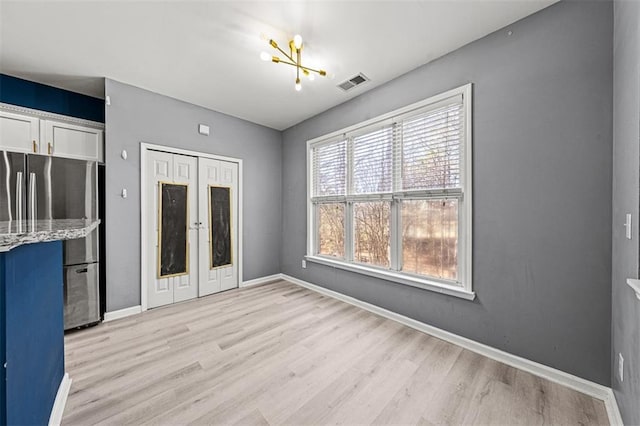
(308, 212)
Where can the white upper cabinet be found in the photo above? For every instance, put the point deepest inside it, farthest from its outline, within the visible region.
(50, 134)
(71, 141)
(19, 133)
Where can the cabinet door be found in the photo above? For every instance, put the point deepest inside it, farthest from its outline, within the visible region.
(71, 141)
(19, 133)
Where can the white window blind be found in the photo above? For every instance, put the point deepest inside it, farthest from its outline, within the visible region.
(330, 169)
(373, 161)
(431, 148)
(393, 195)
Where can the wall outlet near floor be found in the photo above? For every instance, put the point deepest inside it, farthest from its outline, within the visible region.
(620, 367)
(304, 264)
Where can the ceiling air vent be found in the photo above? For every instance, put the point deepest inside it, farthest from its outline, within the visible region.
(353, 82)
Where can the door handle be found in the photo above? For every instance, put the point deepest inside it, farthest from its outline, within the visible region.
(82, 271)
(33, 200)
(19, 196)
(49, 148)
(35, 146)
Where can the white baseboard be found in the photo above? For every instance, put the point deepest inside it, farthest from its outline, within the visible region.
(61, 400)
(581, 385)
(261, 280)
(613, 411)
(122, 313)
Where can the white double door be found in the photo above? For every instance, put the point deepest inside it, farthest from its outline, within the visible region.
(201, 276)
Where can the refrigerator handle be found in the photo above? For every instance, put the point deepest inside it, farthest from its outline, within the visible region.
(33, 201)
(19, 196)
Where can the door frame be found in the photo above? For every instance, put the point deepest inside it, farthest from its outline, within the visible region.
(145, 147)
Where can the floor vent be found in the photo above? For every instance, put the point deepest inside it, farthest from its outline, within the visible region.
(353, 82)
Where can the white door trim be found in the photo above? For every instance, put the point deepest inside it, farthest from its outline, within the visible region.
(144, 149)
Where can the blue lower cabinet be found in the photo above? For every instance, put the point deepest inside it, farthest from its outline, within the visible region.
(32, 335)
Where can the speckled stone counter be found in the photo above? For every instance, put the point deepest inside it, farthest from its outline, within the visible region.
(16, 233)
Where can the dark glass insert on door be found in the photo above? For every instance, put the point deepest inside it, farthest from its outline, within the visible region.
(220, 226)
(173, 214)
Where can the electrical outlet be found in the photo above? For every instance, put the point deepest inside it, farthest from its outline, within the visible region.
(304, 264)
(621, 367)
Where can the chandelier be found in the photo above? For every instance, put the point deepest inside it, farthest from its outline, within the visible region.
(293, 58)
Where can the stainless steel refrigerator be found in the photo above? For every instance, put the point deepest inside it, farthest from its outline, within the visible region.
(43, 187)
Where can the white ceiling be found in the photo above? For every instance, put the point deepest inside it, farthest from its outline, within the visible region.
(207, 52)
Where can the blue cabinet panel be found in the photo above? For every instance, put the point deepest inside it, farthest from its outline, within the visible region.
(3, 353)
(16, 91)
(34, 336)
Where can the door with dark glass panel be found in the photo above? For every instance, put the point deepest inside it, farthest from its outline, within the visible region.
(218, 218)
(172, 250)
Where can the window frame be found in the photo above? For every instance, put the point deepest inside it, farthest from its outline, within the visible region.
(462, 287)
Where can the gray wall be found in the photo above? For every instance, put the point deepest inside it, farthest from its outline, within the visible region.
(542, 190)
(626, 191)
(137, 115)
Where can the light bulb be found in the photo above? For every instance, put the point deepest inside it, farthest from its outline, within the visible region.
(298, 85)
(265, 56)
(297, 41)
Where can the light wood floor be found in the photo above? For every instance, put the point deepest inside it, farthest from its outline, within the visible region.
(282, 354)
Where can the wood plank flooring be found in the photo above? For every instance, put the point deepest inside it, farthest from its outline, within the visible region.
(281, 354)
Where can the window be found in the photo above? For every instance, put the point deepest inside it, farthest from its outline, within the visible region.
(391, 197)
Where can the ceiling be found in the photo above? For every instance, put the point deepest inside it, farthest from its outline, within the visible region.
(207, 52)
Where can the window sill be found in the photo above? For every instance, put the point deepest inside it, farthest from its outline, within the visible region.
(424, 284)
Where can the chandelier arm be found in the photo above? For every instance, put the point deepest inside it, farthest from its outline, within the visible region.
(293, 64)
(312, 70)
(284, 53)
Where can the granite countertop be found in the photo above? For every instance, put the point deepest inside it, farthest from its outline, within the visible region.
(16, 233)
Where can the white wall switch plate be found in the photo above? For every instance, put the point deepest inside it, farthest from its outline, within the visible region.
(627, 225)
(620, 367)
(203, 129)
(304, 264)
